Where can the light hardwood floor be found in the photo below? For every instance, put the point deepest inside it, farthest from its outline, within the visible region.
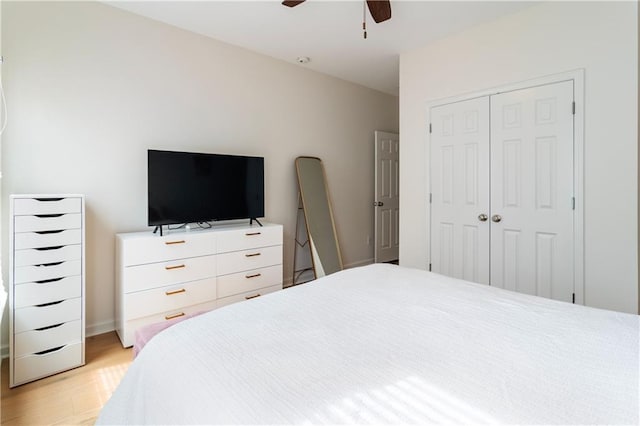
(74, 397)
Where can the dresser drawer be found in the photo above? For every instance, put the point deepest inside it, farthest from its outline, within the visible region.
(248, 295)
(26, 240)
(32, 317)
(229, 263)
(32, 367)
(29, 206)
(47, 222)
(241, 282)
(30, 294)
(170, 298)
(142, 250)
(244, 239)
(127, 332)
(48, 271)
(27, 257)
(33, 341)
(153, 275)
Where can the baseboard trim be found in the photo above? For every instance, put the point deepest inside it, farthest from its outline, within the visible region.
(359, 263)
(289, 280)
(100, 328)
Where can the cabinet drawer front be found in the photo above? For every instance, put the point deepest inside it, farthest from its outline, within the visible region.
(237, 261)
(127, 333)
(173, 297)
(47, 222)
(25, 240)
(27, 257)
(248, 295)
(30, 294)
(143, 250)
(33, 367)
(241, 282)
(145, 277)
(49, 271)
(34, 341)
(27, 206)
(249, 238)
(32, 317)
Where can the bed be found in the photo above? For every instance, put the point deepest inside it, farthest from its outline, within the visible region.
(383, 344)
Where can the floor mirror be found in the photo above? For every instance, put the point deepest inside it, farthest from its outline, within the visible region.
(318, 217)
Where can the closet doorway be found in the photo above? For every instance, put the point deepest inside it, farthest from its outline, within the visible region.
(503, 190)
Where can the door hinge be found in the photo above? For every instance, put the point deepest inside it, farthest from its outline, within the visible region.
(573, 107)
(573, 203)
(430, 128)
(429, 267)
(430, 197)
(573, 298)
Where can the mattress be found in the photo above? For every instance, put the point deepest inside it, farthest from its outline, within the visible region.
(386, 344)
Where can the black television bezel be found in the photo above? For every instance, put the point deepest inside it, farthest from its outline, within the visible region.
(203, 219)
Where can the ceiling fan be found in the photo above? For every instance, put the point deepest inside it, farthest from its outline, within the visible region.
(380, 10)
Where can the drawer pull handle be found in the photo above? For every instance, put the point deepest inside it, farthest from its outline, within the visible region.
(48, 327)
(57, 231)
(169, 293)
(168, 268)
(252, 297)
(179, 314)
(48, 199)
(43, 216)
(248, 234)
(175, 242)
(48, 351)
(49, 304)
(50, 264)
(253, 276)
(51, 280)
(49, 248)
(252, 254)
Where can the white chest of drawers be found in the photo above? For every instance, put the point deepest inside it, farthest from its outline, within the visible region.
(160, 278)
(46, 285)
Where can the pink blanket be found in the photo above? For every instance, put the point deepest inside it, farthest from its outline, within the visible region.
(146, 333)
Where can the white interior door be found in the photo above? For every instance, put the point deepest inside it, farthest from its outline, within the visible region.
(532, 191)
(459, 170)
(387, 196)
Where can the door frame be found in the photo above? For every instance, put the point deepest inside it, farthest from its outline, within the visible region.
(577, 77)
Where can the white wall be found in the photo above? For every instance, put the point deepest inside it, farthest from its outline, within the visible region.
(91, 88)
(549, 38)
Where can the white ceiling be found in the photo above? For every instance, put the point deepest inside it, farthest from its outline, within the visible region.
(328, 32)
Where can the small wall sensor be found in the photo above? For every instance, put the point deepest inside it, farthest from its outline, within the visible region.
(303, 59)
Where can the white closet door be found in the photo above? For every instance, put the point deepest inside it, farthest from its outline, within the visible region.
(459, 158)
(532, 190)
(387, 203)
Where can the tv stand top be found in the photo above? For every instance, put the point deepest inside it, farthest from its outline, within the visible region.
(217, 227)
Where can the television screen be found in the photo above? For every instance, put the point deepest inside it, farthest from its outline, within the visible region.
(186, 187)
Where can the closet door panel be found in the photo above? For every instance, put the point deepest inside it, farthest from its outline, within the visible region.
(459, 180)
(532, 190)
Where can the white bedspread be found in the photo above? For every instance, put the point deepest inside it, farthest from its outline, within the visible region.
(385, 344)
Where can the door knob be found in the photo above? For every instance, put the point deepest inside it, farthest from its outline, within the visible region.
(378, 203)
(496, 218)
(483, 217)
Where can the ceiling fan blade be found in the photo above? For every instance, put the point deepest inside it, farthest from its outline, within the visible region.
(380, 10)
(292, 3)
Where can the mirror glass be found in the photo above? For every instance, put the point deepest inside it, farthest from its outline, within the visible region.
(323, 241)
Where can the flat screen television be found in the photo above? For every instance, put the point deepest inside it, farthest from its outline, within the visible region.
(186, 187)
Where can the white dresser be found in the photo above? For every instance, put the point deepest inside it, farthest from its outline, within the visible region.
(160, 278)
(46, 285)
